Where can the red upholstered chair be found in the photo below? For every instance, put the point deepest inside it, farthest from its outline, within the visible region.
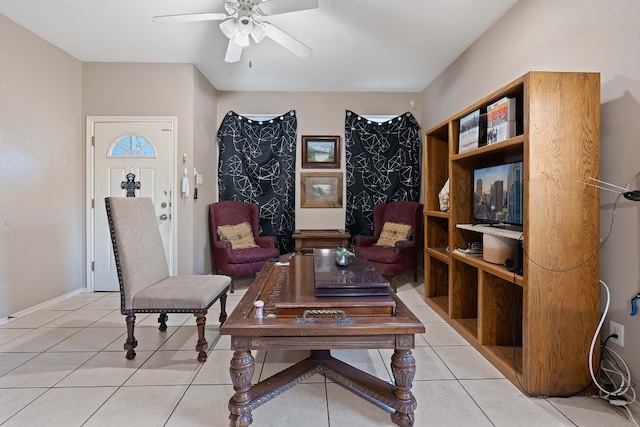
(404, 255)
(238, 262)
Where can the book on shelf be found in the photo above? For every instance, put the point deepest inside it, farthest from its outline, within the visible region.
(469, 132)
(468, 252)
(501, 120)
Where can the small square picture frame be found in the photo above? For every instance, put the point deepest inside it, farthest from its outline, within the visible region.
(321, 189)
(320, 152)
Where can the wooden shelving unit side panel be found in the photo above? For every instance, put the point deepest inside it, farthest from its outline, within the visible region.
(561, 302)
(436, 221)
(436, 159)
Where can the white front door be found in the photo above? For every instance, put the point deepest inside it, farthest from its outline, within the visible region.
(124, 146)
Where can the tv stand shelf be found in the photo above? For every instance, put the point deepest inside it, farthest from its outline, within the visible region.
(546, 316)
(493, 230)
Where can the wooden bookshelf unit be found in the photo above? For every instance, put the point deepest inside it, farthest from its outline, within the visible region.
(536, 328)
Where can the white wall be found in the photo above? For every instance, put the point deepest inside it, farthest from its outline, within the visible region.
(571, 35)
(205, 160)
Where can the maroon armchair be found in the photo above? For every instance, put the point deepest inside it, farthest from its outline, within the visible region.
(404, 255)
(238, 262)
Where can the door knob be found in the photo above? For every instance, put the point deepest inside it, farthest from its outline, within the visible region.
(163, 217)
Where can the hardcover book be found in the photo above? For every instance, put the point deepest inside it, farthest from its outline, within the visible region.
(501, 122)
(469, 132)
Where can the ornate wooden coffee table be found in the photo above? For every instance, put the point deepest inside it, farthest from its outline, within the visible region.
(319, 324)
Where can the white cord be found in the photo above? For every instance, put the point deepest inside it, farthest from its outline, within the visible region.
(631, 416)
(595, 338)
(611, 370)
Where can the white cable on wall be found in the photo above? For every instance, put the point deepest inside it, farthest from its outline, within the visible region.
(611, 370)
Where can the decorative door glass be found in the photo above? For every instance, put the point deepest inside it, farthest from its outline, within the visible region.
(131, 146)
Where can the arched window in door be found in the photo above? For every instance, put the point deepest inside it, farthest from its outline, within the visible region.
(131, 146)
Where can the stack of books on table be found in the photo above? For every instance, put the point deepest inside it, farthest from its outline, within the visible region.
(501, 120)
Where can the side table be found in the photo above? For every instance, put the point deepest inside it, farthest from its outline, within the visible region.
(308, 240)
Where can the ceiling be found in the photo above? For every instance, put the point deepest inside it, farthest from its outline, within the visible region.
(358, 45)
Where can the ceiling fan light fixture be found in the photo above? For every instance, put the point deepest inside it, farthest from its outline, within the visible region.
(243, 18)
(234, 52)
(241, 39)
(229, 27)
(258, 34)
(245, 25)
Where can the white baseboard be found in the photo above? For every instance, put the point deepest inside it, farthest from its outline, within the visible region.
(35, 308)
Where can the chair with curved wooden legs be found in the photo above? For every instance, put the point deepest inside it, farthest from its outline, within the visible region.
(145, 283)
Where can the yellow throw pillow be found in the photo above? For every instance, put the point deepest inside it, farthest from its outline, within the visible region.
(393, 232)
(240, 235)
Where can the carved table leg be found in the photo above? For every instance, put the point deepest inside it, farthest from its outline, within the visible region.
(241, 370)
(403, 366)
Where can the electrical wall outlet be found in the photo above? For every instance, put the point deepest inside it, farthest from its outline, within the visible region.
(618, 329)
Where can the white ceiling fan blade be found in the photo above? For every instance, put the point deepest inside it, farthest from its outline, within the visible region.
(277, 7)
(190, 17)
(294, 45)
(234, 51)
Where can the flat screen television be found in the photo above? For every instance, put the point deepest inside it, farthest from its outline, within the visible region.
(498, 194)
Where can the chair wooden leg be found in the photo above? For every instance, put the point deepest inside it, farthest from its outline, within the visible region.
(394, 279)
(415, 275)
(202, 345)
(131, 341)
(231, 286)
(162, 319)
(223, 308)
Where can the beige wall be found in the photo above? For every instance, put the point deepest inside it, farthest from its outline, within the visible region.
(41, 171)
(116, 89)
(318, 113)
(571, 35)
(205, 160)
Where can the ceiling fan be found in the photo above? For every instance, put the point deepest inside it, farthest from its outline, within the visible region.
(244, 18)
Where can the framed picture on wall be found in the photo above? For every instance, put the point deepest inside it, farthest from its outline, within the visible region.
(320, 152)
(321, 189)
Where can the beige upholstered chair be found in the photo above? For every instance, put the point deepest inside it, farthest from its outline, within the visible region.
(145, 284)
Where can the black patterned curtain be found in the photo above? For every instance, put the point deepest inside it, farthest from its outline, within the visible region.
(257, 165)
(382, 164)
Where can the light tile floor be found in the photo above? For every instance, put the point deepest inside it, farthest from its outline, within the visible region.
(64, 365)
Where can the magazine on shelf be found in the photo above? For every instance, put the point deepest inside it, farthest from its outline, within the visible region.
(469, 132)
(501, 120)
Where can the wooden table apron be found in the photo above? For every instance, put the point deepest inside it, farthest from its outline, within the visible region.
(307, 240)
(320, 336)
